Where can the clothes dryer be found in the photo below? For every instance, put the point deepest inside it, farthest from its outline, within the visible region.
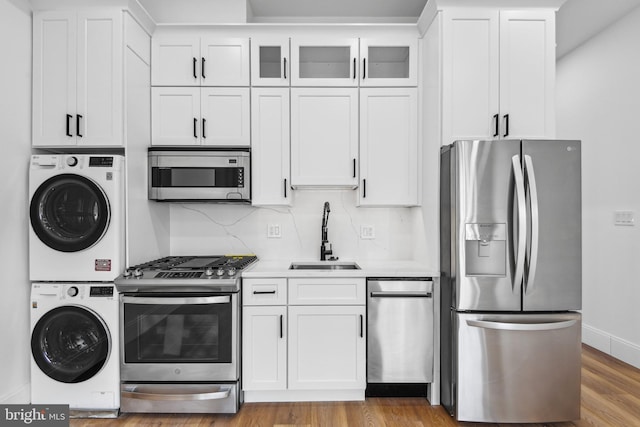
(76, 228)
(75, 347)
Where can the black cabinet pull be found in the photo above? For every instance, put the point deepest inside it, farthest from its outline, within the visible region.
(78, 118)
(195, 127)
(364, 188)
(263, 292)
(496, 118)
(285, 188)
(204, 122)
(354, 68)
(506, 128)
(281, 326)
(364, 68)
(195, 62)
(361, 326)
(354, 168)
(284, 68)
(69, 117)
(202, 69)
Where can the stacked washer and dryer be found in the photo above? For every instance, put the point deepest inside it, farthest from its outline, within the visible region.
(76, 250)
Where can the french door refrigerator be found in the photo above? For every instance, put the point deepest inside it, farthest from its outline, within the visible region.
(510, 213)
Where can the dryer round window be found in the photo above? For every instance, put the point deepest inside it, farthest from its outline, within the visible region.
(69, 213)
(70, 344)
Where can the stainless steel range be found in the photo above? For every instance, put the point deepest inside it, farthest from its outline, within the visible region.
(180, 318)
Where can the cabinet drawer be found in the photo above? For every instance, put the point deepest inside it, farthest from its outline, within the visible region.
(264, 291)
(327, 291)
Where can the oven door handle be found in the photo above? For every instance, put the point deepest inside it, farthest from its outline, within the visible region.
(224, 299)
(215, 395)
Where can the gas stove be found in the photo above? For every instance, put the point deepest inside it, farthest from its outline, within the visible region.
(216, 273)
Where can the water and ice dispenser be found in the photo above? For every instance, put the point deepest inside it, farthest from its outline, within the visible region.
(486, 249)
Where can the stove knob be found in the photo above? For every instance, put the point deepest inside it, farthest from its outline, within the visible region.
(220, 272)
(72, 161)
(126, 273)
(231, 272)
(137, 272)
(72, 291)
(208, 272)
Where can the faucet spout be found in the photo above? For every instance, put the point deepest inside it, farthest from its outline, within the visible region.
(325, 246)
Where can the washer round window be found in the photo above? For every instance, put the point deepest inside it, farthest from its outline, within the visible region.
(70, 344)
(69, 213)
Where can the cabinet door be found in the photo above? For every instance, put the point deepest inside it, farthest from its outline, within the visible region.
(264, 348)
(527, 70)
(270, 62)
(321, 62)
(225, 116)
(99, 110)
(327, 347)
(270, 146)
(54, 78)
(470, 75)
(388, 62)
(388, 147)
(175, 116)
(324, 137)
(176, 61)
(225, 61)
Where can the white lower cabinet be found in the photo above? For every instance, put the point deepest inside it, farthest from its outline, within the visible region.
(303, 339)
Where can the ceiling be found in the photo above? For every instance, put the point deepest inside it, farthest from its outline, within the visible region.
(577, 21)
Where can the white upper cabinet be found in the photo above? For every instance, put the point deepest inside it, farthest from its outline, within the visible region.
(388, 62)
(324, 137)
(78, 78)
(388, 147)
(270, 63)
(199, 61)
(498, 74)
(324, 62)
(270, 146)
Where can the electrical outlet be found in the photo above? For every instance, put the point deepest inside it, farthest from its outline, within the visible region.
(367, 232)
(624, 218)
(274, 231)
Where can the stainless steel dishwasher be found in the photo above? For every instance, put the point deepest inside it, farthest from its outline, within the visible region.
(400, 336)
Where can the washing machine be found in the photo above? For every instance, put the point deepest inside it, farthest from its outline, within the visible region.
(77, 217)
(75, 347)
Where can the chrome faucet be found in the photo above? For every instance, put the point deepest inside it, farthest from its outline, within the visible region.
(325, 246)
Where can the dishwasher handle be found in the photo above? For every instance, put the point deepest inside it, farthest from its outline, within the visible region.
(400, 294)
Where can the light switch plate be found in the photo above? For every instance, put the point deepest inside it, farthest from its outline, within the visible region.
(274, 231)
(367, 232)
(624, 218)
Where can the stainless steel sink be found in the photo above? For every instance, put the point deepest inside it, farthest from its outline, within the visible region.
(324, 266)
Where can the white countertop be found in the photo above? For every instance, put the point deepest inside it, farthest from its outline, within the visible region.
(367, 269)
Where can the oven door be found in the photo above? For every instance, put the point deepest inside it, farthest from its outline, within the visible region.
(179, 338)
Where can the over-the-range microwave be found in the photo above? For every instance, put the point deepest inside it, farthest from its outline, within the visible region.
(200, 174)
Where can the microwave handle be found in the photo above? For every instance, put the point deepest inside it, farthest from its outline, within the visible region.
(225, 299)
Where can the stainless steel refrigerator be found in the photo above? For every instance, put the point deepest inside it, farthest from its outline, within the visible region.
(510, 213)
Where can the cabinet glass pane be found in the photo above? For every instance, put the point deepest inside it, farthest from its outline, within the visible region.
(388, 62)
(325, 62)
(270, 62)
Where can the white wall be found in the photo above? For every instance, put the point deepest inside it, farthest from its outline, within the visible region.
(15, 136)
(598, 101)
(206, 229)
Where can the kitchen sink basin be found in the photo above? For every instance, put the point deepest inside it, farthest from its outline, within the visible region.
(324, 266)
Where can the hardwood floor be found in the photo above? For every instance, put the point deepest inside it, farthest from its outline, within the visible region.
(610, 397)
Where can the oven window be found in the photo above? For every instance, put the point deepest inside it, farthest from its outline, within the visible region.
(180, 333)
(220, 177)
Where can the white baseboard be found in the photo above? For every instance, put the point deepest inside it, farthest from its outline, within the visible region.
(20, 396)
(619, 348)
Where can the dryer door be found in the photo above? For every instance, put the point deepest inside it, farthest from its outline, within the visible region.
(69, 213)
(70, 344)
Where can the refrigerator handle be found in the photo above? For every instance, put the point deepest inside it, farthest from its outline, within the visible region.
(521, 220)
(521, 326)
(535, 223)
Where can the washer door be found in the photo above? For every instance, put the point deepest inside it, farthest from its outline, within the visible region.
(70, 344)
(69, 213)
